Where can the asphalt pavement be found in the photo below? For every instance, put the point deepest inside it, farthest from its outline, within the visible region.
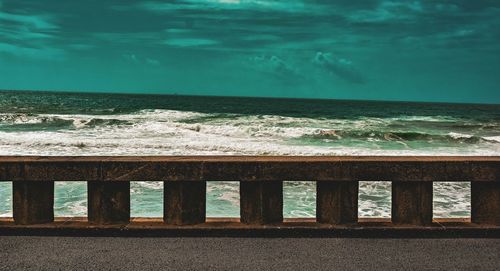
(224, 253)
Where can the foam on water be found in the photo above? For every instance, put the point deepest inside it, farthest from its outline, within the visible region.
(169, 132)
(493, 138)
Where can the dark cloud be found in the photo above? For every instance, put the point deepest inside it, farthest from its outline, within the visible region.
(29, 35)
(231, 24)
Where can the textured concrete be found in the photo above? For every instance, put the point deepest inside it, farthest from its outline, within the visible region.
(83, 253)
(250, 168)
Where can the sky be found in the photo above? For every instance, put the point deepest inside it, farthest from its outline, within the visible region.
(432, 50)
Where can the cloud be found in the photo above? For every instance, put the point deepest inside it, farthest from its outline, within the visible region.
(251, 26)
(39, 22)
(31, 52)
(387, 11)
(153, 62)
(177, 30)
(275, 66)
(288, 6)
(81, 46)
(133, 58)
(142, 38)
(29, 35)
(22, 27)
(190, 42)
(262, 26)
(340, 67)
(261, 37)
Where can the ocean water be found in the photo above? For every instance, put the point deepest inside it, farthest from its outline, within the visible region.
(44, 123)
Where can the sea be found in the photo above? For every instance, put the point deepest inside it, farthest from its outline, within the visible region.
(58, 123)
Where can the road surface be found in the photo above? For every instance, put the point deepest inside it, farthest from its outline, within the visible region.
(119, 253)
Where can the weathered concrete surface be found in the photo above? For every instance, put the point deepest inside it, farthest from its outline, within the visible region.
(184, 203)
(337, 202)
(249, 168)
(260, 180)
(83, 253)
(231, 227)
(261, 202)
(412, 203)
(485, 203)
(33, 202)
(109, 202)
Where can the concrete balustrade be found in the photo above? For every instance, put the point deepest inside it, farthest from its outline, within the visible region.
(261, 190)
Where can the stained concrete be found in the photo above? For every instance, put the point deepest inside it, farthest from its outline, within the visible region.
(113, 253)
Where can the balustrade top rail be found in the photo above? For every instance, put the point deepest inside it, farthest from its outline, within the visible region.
(249, 168)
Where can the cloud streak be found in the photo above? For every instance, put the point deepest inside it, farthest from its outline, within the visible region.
(289, 6)
(39, 22)
(29, 36)
(340, 67)
(190, 42)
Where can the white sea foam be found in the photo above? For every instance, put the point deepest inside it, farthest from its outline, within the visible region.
(169, 132)
(492, 138)
(426, 118)
(459, 135)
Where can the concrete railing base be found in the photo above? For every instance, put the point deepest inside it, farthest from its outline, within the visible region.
(231, 227)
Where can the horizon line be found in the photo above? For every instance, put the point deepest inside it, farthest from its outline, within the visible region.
(242, 97)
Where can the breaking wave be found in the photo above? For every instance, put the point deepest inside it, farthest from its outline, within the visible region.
(400, 136)
(173, 132)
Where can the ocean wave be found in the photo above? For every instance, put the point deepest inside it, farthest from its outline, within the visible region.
(30, 122)
(435, 118)
(23, 122)
(403, 136)
(80, 123)
(492, 138)
(171, 132)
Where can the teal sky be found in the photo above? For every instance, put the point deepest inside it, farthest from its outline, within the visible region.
(433, 50)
